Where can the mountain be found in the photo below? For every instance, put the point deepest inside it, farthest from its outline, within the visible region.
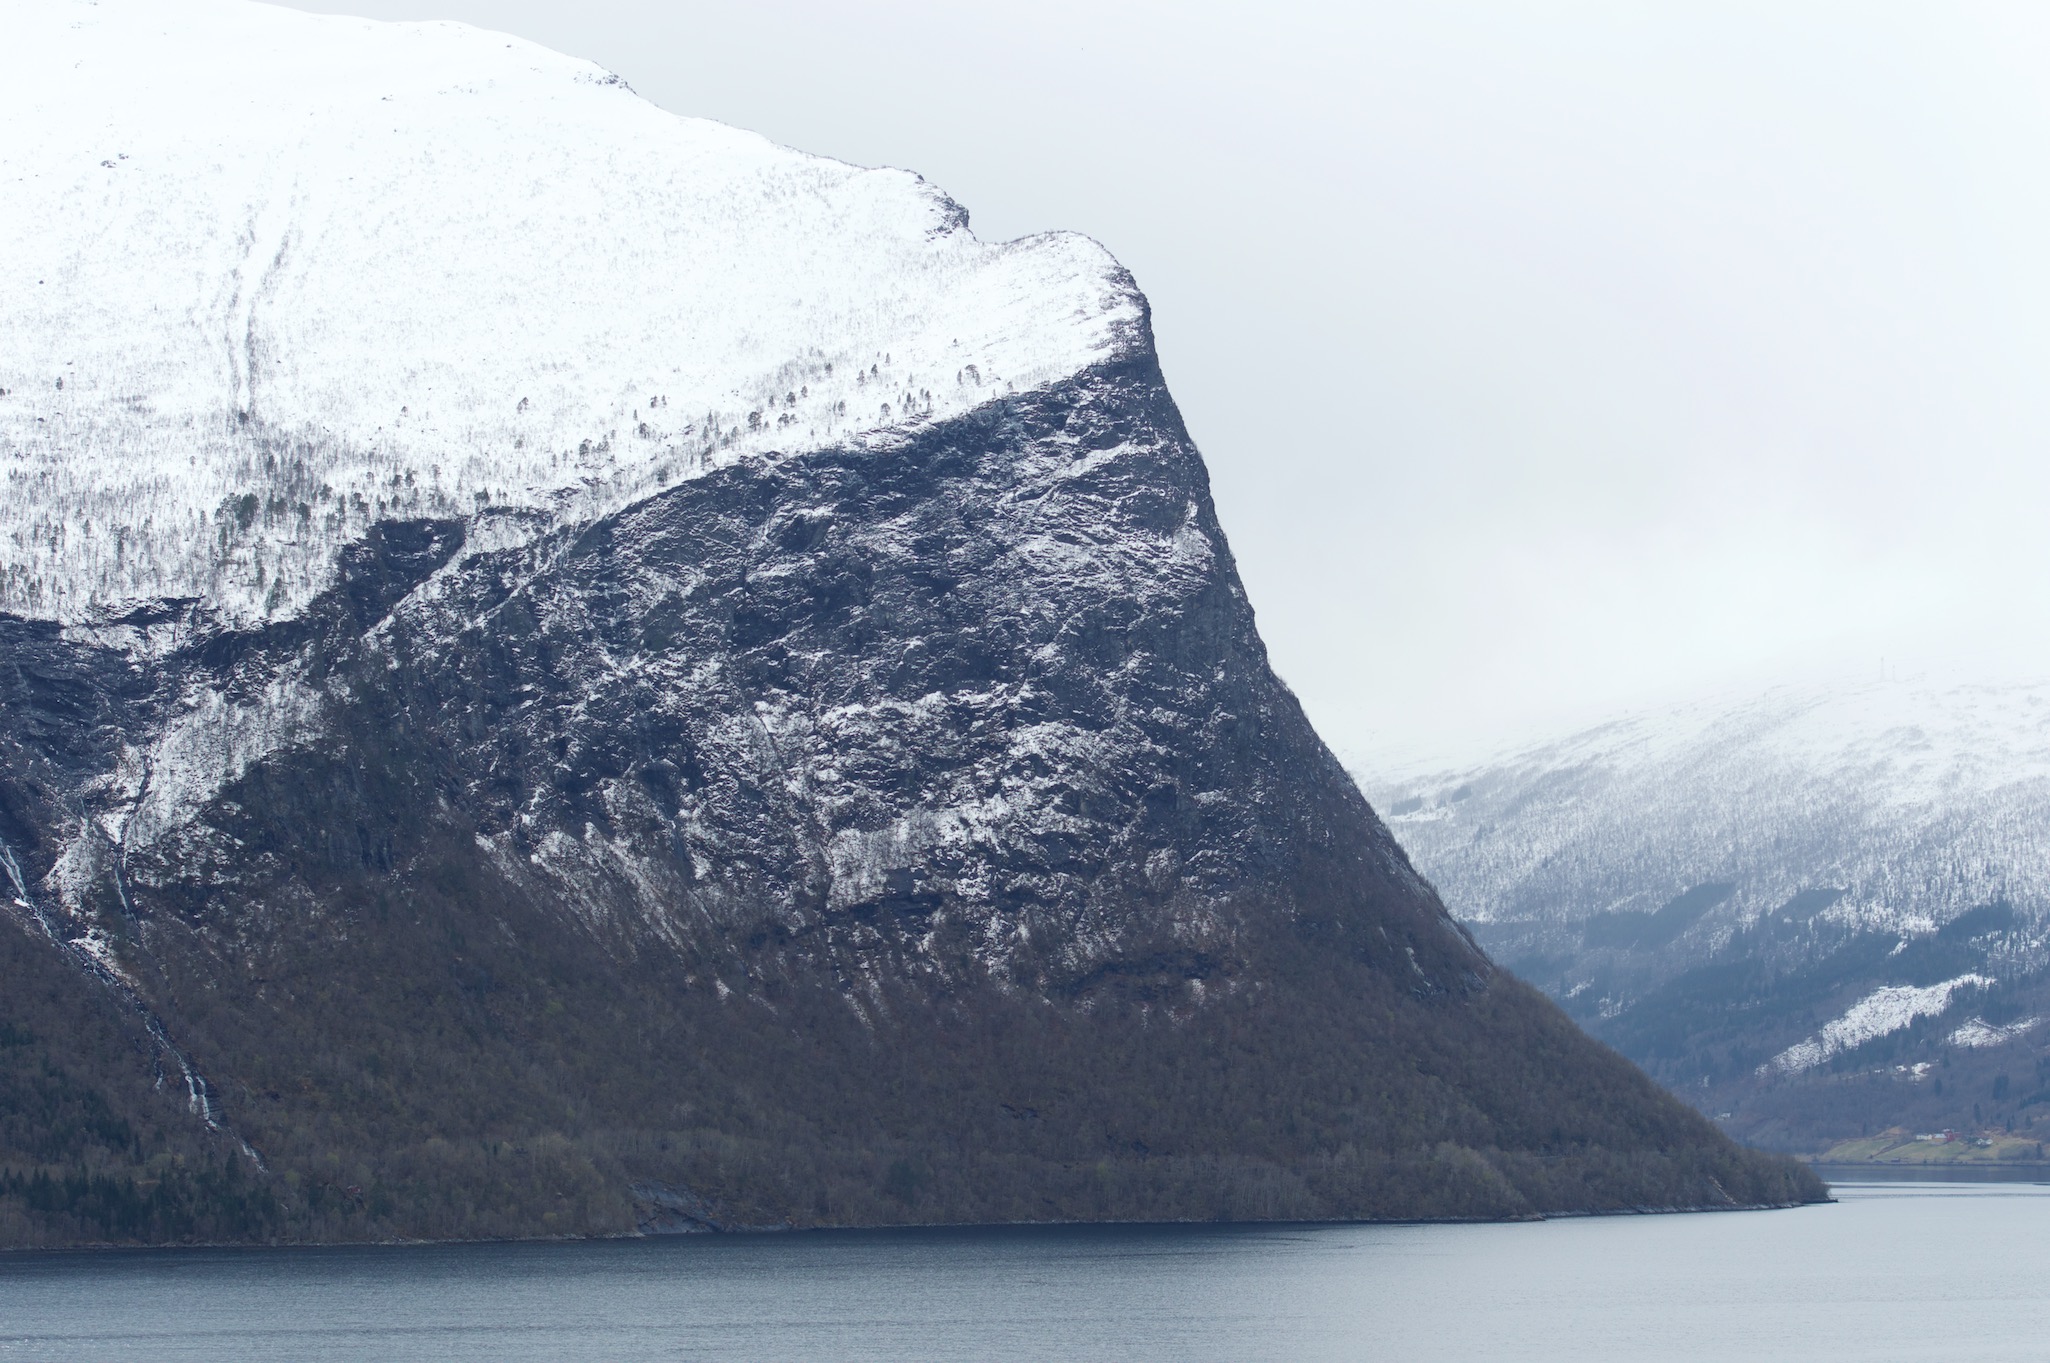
(569, 670)
(1818, 913)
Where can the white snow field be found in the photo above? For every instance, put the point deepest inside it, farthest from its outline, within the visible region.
(269, 277)
(1915, 799)
(1878, 1014)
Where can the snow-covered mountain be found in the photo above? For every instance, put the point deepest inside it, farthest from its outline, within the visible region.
(272, 277)
(1916, 800)
(565, 669)
(1893, 836)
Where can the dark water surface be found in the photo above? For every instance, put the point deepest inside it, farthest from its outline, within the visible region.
(1895, 1271)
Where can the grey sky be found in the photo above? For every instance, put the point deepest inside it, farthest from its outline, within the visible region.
(1548, 358)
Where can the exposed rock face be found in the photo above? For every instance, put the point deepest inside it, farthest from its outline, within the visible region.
(987, 704)
(705, 822)
(988, 700)
(899, 824)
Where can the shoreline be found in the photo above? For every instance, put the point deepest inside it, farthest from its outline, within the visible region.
(762, 1232)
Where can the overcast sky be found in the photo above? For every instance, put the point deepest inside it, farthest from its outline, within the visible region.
(1549, 359)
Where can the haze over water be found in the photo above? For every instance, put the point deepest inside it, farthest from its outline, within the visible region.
(1894, 1271)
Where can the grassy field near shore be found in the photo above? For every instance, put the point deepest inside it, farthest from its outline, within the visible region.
(1900, 1146)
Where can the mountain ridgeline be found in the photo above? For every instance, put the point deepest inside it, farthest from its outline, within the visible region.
(1821, 914)
(901, 825)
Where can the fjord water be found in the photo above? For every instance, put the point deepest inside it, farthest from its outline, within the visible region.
(1893, 1271)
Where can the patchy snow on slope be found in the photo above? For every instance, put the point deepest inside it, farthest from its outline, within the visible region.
(1879, 1013)
(1978, 1033)
(271, 277)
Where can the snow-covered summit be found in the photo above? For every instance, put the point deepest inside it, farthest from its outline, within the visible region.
(1917, 799)
(269, 277)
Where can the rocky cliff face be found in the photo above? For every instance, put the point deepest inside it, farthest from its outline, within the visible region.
(903, 833)
(893, 824)
(983, 705)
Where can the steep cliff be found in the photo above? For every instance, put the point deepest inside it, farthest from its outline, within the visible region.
(867, 801)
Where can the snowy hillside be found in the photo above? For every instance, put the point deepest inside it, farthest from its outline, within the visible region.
(1795, 907)
(1916, 799)
(272, 277)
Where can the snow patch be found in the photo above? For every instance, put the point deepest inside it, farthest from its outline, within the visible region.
(211, 744)
(1879, 1013)
(1978, 1033)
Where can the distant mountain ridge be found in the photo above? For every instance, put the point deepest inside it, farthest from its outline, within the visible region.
(1757, 897)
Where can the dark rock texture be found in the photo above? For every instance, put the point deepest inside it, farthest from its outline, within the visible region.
(903, 833)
